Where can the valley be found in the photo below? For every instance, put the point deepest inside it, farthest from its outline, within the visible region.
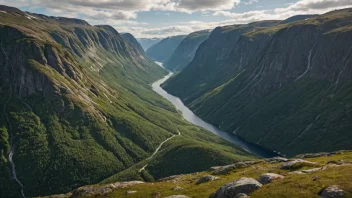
(259, 109)
(192, 118)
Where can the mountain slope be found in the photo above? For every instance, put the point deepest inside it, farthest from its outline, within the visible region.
(77, 107)
(186, 51)
(208, 62)
(133, 42)
(286, 87)
(163, 50)
(148, 42)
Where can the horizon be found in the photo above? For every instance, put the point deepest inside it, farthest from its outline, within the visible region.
(165, 18)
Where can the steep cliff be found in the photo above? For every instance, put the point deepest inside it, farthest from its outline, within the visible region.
(207, 70)
(133, 42)
(77, 107)
(186, 51)
(163, 50)
(286, 87)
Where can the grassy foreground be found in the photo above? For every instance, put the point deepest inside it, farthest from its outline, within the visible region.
(337, 170)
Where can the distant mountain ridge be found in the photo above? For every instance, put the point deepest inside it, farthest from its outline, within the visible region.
(284, 86)
(186, 50)
(148, 42)
(163, 50)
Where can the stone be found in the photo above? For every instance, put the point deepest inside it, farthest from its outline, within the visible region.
(207, 179)
(226, 169)
(243, 185)
(269, 177)
(276, 160)
(90, 191)
(242, 195)
(332, 192)
(177, 188)
(292, 163)
(177, 196)
(130, 192)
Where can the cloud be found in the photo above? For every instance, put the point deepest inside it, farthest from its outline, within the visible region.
(203, 5)
(300, 7)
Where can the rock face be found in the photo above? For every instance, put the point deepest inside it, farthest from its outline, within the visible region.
(242, 185)
(296, 89)
(186, 51)
(91, 191)
(269, 177)
(293, 163)
(207, 179)
(163, 50)
(222, 170)
(276, 160)
(332, 192)
(130, 38)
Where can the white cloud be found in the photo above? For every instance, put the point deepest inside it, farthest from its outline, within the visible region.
(122, 14)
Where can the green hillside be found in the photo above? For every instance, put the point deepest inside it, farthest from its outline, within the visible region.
(77, 108)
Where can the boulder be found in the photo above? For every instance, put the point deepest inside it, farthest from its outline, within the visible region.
(243, 185)
(269, 177)
(276, 160)
(207, 179)
(332, 192)
(177, 196)
(226, 169)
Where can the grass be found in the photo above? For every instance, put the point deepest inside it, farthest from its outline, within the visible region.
(293, 185)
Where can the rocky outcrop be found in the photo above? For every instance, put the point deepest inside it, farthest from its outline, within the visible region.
(269, 177)
(332, 192)
(232, 189)
(222, 170)
(91, 191)
(276, 160)
(206, 179)
(296, 163)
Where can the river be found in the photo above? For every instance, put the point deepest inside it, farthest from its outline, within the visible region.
(191, 117)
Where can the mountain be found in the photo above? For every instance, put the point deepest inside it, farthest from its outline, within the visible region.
(130, 38)
(163, 50)
(298, 18)
(186, 51)
(308, 175)
(285, 87)
(148, 42)
(77, 108)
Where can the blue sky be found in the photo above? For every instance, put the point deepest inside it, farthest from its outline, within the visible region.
(162, 18)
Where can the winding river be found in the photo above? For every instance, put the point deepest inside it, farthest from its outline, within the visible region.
(191, 117)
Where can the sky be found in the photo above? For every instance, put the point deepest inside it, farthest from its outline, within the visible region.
(163, 18)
